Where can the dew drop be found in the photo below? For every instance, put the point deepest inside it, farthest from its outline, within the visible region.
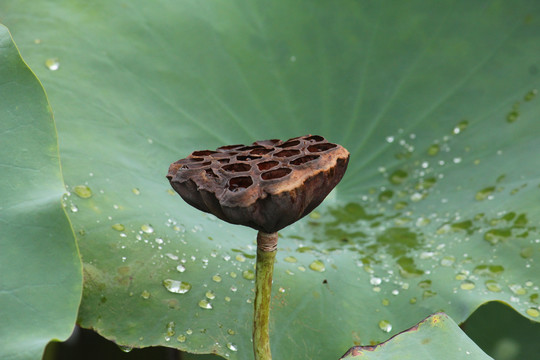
(526, 252)
(145, 294)
(170, 329)
(176, 286)
(118, 227)
(385, 326)
(189, 331)
(385, 302)
(488, 270)
(290, 259)
(462, 275)
(73, 208)
(494, 236)
(317, 265)
(398, 176)
(462, 125)
(517, 289)
(232, 347)
(281, 290)
(216, 278)
(493, 286)
(512, 116)
(422, 221)
(467, 285)
(231, 332)
(248, 274)
(204, 304)
(301, 268)
(240, 258)
(125, 348)
(210, 295)
(433, 150)
(147, 228)
(181, 338)
(533, 312)
(181, 268)
(416, 197)
(484, 193)
(136, 191)
(375, 281)
(448, 260)
(386, 195)
(227, 299)
(52, 64)
(82, 191)
(171, 256)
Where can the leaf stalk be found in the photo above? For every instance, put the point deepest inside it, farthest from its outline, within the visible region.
(266, 254)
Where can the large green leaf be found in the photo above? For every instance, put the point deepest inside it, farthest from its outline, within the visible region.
(40, 269)
(436, 337)
(435, 101)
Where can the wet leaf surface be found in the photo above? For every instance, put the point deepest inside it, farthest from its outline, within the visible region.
(437, 337)
(438, 210)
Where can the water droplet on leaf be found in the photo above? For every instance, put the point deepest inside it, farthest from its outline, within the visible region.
(493, 286)
(398, 176)
(385, 326)
(147, 228)
(248, 274)
(433, 150)
(467, 285)
(82, 191)
(533, 312)
(176, 286)
(170, 329)
(118, 227)
(125, 348)
(530, 95)
(52, 64)
(204, 304)
(484, 193)
(317, 265)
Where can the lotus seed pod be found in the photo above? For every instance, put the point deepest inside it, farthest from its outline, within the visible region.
(266, 186)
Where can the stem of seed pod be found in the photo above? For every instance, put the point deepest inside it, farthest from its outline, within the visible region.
(266, 253)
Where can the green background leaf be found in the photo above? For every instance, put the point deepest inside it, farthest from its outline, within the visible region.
(502, 333)
(40, 281)
(437, 337)
(435, 101)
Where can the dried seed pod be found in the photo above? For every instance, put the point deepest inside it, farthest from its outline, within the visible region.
(267, 185)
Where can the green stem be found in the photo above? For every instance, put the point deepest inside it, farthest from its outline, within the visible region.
(266, 253)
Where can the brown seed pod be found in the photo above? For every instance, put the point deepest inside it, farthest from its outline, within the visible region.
(267, 185)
